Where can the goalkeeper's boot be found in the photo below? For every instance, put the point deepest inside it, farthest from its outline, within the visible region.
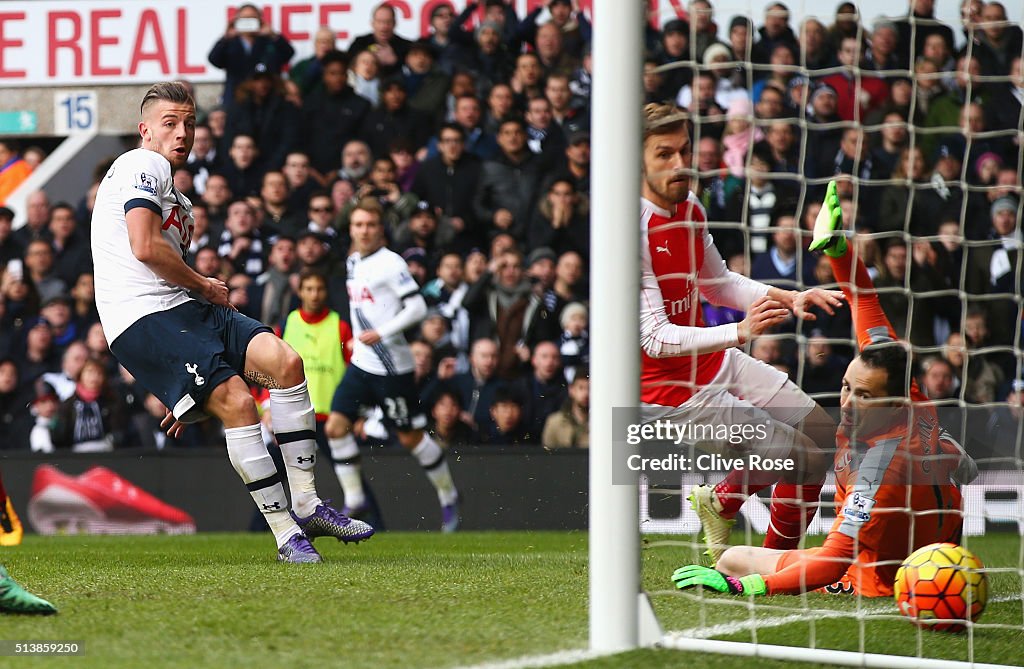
(828, 226)
(16, 599)
(327, 521)
(298, 550)
(10, 525)
(716, 527)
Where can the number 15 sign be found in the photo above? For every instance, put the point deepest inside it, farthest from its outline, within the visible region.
(75, 112)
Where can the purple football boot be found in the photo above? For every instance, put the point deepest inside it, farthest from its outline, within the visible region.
(327, 521)
(450, 518)
(298, 550)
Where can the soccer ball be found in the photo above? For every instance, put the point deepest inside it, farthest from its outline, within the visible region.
(941, 586)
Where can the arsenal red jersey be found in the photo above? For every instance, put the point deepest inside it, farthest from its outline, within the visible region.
(673, 247)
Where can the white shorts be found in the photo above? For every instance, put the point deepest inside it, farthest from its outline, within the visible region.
(744, 391)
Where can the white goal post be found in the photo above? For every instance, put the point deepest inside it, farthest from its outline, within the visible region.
(615, 303)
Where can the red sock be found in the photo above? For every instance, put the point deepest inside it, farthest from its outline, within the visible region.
(793, 507)
(738, 485)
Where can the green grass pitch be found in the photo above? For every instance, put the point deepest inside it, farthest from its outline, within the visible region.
(413, 600)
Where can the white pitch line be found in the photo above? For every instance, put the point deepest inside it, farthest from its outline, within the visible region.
(778, 621)
(565, 657)
(559, 658)
(722, 629)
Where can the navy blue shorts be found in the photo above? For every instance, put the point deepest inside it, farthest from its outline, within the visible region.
(182, 354)
(395, 395)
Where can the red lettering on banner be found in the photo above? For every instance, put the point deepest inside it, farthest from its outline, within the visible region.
(325, 17)
(149, 21)
(427, 9)
(54, 43)
(474, 19)
(678, 8)
(286, 21)
(402, 8)
(268, 14)
(98, 41)
(6, 43)
(183, 66)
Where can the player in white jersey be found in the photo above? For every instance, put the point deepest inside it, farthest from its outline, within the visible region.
(178, 335)
(384, 300)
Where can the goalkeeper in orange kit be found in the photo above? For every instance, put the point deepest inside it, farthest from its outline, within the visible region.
(898, 473)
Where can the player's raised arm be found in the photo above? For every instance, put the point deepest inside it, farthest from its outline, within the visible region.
(869, 320)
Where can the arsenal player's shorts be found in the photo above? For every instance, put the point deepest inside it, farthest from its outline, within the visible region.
(745, 391)
(182, 354)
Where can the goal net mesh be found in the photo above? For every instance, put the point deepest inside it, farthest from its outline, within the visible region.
(926, 150)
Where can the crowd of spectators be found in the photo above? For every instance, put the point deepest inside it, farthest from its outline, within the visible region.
(475, 139)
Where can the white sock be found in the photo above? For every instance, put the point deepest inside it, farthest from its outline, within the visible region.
(249, 457)
(345, 452)
(431, 458)
(294, 421)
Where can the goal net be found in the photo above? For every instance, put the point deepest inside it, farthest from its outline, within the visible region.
(926, 147)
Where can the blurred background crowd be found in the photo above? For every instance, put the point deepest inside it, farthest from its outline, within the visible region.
(475, 139)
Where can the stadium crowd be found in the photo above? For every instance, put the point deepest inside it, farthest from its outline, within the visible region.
(475, 140)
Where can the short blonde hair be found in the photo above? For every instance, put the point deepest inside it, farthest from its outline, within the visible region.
(172, 91)
(372, 205)
(664, 119)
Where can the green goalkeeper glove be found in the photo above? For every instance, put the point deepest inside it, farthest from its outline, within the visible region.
(828, 226)
(693, 575)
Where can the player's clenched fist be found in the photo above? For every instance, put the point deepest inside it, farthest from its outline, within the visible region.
(216, 292)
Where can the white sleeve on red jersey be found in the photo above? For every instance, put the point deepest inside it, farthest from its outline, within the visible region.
(723, 287)
(661, 338)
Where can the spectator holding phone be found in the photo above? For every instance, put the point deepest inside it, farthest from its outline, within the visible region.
(248, 46)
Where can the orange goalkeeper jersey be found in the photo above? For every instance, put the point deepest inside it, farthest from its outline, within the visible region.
(894, 489)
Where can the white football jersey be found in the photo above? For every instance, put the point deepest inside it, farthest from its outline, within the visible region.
(377, 284)
(127, 290)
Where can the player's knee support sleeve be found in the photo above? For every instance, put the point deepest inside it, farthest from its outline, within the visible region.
(291, 410)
